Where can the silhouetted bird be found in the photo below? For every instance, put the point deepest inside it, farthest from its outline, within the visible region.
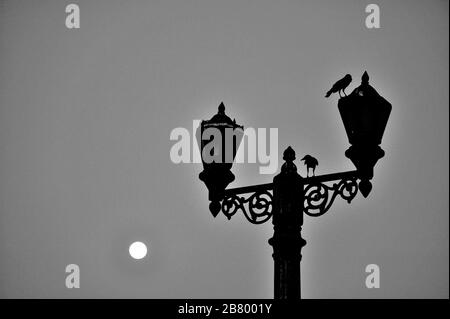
(310, 162)
(340, 85)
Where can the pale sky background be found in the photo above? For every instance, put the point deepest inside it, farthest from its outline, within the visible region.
(85, 118)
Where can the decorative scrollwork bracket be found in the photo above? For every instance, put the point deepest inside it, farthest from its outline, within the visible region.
(318, 197)
(257, 207)
(256, 202)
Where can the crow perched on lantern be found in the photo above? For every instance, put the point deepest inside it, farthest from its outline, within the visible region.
(340, 85)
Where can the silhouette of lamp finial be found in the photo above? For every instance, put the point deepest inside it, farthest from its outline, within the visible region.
(289, 154)
(365, 78)
(289, 157)
(221, 108)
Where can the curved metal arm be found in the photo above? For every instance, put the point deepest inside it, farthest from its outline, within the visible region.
(318, 196)
(317, 199)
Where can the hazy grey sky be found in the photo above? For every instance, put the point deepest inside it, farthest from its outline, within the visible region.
(85, 118)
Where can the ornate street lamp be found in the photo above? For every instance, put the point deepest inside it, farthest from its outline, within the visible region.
(364, 113)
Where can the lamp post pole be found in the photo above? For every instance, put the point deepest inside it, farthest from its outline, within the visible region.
(287, 220)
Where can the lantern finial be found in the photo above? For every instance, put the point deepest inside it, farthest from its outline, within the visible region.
(365, 78)
(289, 157)
(289, 154)
(221, 108)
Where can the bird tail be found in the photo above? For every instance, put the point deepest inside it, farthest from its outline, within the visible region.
(328, 93)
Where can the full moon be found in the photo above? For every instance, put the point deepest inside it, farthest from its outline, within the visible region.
(138, 250)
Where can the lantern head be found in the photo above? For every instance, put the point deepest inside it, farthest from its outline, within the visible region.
(219, 139)
(365, 114)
